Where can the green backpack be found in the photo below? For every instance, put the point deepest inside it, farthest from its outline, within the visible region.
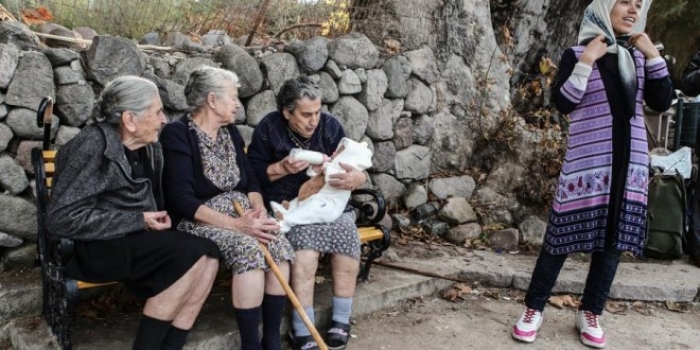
(665, 217)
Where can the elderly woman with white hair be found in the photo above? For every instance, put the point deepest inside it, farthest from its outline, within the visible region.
(601, 202)
(107, 198)
(206, 171)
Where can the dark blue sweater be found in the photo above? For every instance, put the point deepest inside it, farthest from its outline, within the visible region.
(271, 143)
(184, 183)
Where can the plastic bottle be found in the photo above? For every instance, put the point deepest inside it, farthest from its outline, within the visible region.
(312, 157)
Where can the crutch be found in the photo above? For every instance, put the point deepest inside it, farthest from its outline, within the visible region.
(287, 289)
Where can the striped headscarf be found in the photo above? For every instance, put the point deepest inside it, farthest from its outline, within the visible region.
(596, 21)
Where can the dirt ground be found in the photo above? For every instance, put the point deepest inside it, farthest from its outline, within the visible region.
(484, 323)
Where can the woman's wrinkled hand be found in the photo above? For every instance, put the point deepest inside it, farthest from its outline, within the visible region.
(642, 42)
(157, 220)
(595, 49)
(349, 180)
(256, 223)
(290, 166)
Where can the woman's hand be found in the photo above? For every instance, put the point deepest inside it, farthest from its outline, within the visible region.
(349, 180)
(256, 200)
(594, 50)
(257, 224)
(284, 167)
(157, 220)
(642, 42)
(290, 166)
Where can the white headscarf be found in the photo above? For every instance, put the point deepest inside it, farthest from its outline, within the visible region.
(596, 21)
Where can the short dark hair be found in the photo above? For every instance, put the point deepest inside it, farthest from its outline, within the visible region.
(296, 89)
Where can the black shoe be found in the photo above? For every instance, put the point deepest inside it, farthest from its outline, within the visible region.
(305, 342)
(338, 336)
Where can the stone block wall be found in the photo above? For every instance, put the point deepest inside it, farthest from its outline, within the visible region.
(391, 102)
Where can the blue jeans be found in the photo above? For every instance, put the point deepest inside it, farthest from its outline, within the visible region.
(600, 277)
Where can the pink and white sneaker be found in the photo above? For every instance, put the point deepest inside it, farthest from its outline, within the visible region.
(528, 324)
(590, 332)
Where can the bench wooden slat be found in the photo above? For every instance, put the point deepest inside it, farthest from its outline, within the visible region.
(50, 168)
(369, 234)
(49, 156)
(86, 285)
(49, 182)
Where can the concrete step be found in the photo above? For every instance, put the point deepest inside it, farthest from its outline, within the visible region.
(216, 327)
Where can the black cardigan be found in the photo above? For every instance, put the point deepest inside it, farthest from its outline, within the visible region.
(184, 183)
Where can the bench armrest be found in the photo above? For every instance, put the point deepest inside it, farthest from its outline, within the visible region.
(370, 211)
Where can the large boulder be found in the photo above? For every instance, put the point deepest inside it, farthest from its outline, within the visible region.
(279, 68)
(171, 93)
(22, 121)
(383, 156)
(420, 98)
(415, 196)
(329, 91)
(423, 64)
(110, 57)
(74, 103)
(352, 115)
(9, 58)
(397, 70)
(375, 87)
(462, 186)
(18, 217)
(391, 188)
(72, 74)
(349, 83)
(18, 34)
(381, 120)
(5, 136)
(60, 57)
(216, 38)
(413, 163)
(311, 54)
(259, 106)
(32, 81)
(12, 176)
(65, 134)
(353, 50)
(186, 67)
(403, 133)
(457, 211)
(237, 60)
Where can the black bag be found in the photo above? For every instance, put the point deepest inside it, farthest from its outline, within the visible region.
(666, 217)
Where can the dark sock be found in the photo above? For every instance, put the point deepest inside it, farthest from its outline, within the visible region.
(248, 322)
(175, 339)
(272, 308)
(151, 333)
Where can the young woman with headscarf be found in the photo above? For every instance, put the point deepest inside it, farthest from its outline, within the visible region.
(600, 203)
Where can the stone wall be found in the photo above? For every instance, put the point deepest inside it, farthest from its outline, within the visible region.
(428, 114)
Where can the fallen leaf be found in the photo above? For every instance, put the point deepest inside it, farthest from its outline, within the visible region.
(556, 301)
(677, 307)
(561, 301)
(617, 308)
(642, 308)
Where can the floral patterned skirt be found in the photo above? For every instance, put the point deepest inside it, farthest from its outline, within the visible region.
(241, 252)
(338, 237)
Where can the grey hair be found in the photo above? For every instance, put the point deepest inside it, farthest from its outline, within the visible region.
(204, 80)
(296, 89)
(125, 93)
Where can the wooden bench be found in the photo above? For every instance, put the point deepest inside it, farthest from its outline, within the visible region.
(60, 292)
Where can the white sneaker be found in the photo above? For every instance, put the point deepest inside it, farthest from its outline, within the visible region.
(590, 332)
(528, 324)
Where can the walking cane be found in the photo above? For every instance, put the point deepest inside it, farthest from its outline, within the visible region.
(287, 289)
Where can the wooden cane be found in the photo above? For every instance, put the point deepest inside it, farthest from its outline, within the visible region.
(287, 289)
